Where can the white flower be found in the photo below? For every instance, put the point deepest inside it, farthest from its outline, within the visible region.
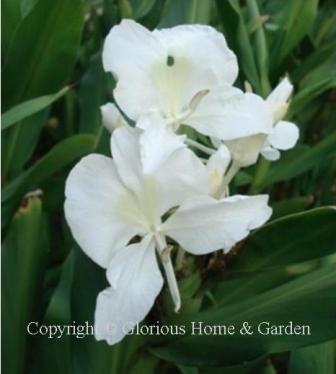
(285, 134)
(277, 135)
(185, 75)
(110, 202)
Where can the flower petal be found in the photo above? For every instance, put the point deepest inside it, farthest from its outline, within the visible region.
(284, 136)
(220, 159)
(270, 153)
(203, 224)
(245, 151)
(92, 208)
(281, 93)
(230, 114)
(126, 153)
(157, 143)
(181, 176)
(129, 47)
(136, 281)
(111, 116)
(161, 176)
(130, 52)
(197, 43)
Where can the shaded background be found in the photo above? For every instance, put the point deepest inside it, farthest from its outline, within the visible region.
(51, 52)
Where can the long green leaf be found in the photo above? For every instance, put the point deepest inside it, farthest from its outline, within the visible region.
(42, 53)
(29, 107)
(63, 154)
(296, 238)
(24, 256)
(309, 300)
(299, 160)
(317, 359)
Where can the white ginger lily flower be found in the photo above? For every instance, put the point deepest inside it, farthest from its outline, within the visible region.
(185, 75)
(285, 134)
(110, 202)
(282, 135)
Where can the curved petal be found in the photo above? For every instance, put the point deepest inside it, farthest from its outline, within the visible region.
(220, 159)
(130, 47)
(130, 52)
(93, 208)
(126, 154)
(217, 166)
(181, 176)
(197, 43)
(245, 151)
(230, 114)
(202, 224)
(111, 116)
(284, 136)
(157, 143)
(281, 92)
(270, 153)
(136, 281)
(162, 175)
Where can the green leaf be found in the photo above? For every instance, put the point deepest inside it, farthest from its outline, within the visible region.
(290, 206)
(41, 55)
(92, 94)
(10, 18)
(296, 19)
(317, 359)
(55, 354)
(141, 7)
(309, 300)
(178, 12)
(29, 107)
(60, 156)
(238, 39)
(296, 238)
(24, 257)
(299, 160)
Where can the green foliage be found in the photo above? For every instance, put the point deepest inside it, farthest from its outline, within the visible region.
(283, 272)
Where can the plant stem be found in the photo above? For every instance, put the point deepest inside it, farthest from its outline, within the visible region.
(164, 252)
(201, 147)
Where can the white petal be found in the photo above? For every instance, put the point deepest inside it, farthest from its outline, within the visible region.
(197, 43)
(126, 153)
(181, 176)
(130, 52)
(172, 173)
(203, 224)
(284, 136)
(220, 159)
(281, 93)
(245, 151)
(94, 194)
(111, 116)
(230, 114)
(136, 281)
(270, 153)
(157, 144)
(129, 47)
(217, 165)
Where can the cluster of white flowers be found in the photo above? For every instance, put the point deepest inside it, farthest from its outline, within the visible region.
(122, 210)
